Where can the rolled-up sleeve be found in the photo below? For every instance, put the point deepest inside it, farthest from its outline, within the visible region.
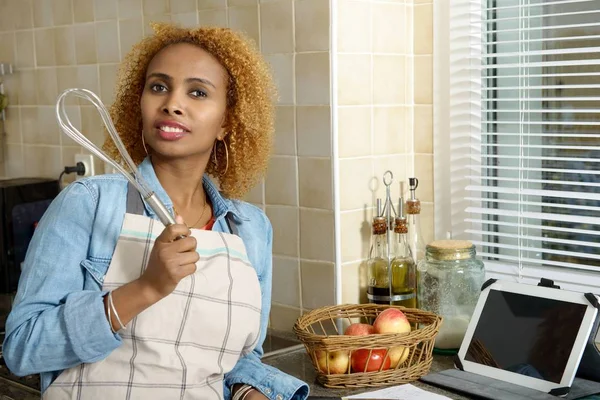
(273, 383)
(55, 323)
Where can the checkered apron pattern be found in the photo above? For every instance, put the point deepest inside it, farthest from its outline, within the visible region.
(180, 347)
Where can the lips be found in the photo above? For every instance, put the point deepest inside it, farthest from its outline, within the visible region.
(171, 130)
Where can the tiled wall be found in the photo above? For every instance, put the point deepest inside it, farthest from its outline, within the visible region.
(384, 113)
(383, 79)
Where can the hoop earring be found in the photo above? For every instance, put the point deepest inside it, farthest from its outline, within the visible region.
(144, 143)
(215, 155)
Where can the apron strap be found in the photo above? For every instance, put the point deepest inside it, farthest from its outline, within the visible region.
(135, 205)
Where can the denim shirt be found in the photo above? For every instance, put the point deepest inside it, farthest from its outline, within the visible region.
(58, 319)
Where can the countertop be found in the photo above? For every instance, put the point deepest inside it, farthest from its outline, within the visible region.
(298, 364)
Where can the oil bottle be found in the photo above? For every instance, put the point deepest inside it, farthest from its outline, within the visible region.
(404, 279)
(378, 286)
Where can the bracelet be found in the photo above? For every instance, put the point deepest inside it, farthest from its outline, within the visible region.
(242, 392)
(109, 318)
(114, 310)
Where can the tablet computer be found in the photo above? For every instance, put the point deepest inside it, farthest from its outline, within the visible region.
(528, 335)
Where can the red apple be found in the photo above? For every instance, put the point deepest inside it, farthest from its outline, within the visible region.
(391, 320)
(336, 361)
(360, 359)
(398, 355)
(359, 329)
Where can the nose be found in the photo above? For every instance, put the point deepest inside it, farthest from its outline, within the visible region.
(172, 106)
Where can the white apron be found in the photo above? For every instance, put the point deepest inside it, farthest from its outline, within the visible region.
(180, 347)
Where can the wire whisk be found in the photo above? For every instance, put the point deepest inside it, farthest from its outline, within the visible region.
(132, 175)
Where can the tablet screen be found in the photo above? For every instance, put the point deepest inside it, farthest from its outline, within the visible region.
(531, 336)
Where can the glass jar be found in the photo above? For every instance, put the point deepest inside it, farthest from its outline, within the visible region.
(449, 284)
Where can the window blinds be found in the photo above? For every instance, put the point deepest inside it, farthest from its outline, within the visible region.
(525, 130)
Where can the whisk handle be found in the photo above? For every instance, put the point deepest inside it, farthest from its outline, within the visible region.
(161, 211)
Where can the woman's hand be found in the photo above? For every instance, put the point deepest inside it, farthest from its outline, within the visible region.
(170, 260)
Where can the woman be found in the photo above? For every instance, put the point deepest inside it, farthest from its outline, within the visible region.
(110, 304)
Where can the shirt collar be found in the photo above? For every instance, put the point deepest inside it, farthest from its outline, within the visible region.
(221, 205)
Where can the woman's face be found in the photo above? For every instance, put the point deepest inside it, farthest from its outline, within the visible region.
(184, 102)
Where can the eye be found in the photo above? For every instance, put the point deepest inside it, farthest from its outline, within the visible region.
(157, 87)
(198, 93)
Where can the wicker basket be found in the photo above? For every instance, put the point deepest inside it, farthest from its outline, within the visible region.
(319, 330)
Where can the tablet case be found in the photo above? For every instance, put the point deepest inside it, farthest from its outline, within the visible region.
(589, 368)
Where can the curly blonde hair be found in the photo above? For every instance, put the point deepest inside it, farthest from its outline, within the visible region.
(249, 119)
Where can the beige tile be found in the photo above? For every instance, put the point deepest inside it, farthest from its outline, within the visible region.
(42, 13)
(255, 195)
(354, 79)
(312, 79)
(354, 131)
(27, 88)
(29, 125)
(356, 234)
(276, 26)
(44, 48)
(388, 28)
(397, 164)
(47, 125)
(354, 283)
(42, 161)
(350, 15)
(107, 37)
(388, 130)
(423, 132)
(13, 125)
(22, 16)
(217, 17)
(316, 235)
(285, 136)
(155, 7)
(427, 218)
(85, 43)
(46, 86)
(422, 1)
(242, 3)
(356, 177)
(283, 318)
(186, 20)
(315, 182)
(423, 40)
(424, 172)
(64, 45)
(424, 80)
(245, 19)
(409, 30)
(149, 19)
(87, 78)
(389, 80)
(208, 4)
(108, 78)
(130, 9)
(282, 66)
(14, 166)
(83, 10)
(25, 57)
(318, 284)
(66, 79)
(286, 281)
(285, 229)
(62, 12)
(12, 85)
(105, 9)
(183, 6)
(131, 31)
(7, 23)
(7, 47)
(312, 25)
(91, 125)
(314, 131)
(410, 79)
(281, 182)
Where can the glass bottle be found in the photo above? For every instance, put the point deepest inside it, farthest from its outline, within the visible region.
(378, 288)
(413, 209)
(404, 281)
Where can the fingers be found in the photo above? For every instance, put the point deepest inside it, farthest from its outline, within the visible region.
(172, 232)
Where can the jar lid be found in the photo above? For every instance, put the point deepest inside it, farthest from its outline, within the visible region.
(451, 245)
